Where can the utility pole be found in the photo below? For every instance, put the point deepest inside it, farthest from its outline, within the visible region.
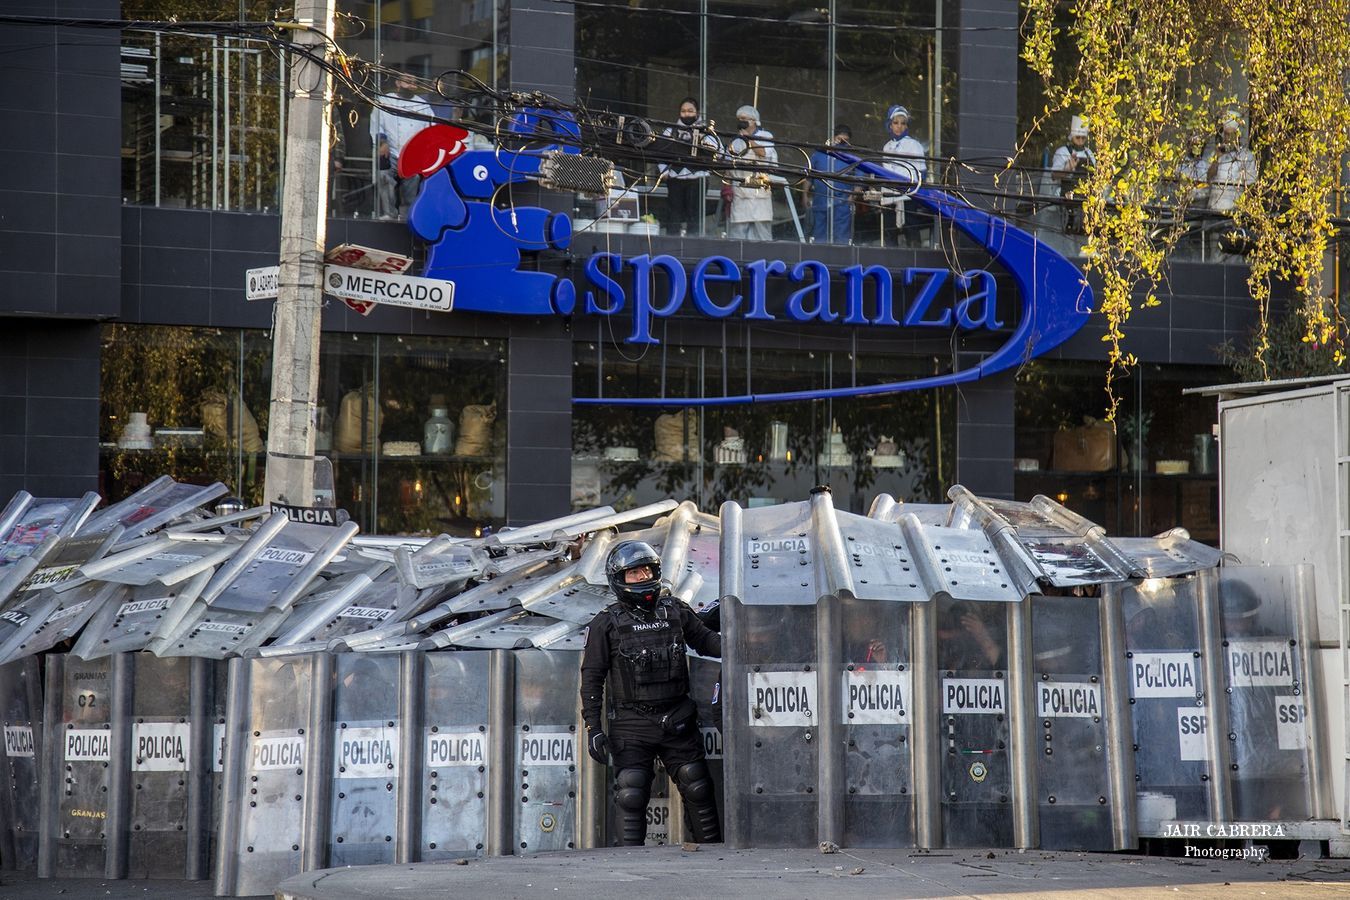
(304, 232)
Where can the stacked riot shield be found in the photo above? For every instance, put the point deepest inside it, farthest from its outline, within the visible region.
(878, 714)
(974, 737)
(366, 752)
(271, 720)
(1073, 779)
(169, 805)
(1268, 627)
(547, 691)
(1166, 672)
(457, 740)
(21, 705)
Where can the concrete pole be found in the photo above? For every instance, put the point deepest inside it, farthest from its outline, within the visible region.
(304, 220)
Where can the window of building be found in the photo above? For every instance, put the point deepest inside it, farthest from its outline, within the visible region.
(756, 453)
(1157, 469)
(411, 424)
(203, 115)
(804, 66)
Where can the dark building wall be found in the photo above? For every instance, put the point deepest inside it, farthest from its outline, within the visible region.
(60, 175)
(60, 242)
(49, 388)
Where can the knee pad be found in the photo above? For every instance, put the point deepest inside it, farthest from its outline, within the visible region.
(695, 782)
(632, 789)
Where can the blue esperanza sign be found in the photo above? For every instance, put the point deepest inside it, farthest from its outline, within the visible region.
(479, 246)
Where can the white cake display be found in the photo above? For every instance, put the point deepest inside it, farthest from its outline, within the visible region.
(731, 451)
(136, 434)
(887, 455)
(836, 454)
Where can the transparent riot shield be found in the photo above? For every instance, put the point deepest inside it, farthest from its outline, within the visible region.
(1270, 731)
(81, 806)
(21, 708)
(1072, 771)
(154, 505)
(972, 654)
(456, 760)
(267, 758)
(547, 691)
(347, 604)
(170, 759)
(251, 596)
(129, 622)
(366, 755)
(877, 712)
(1167, 700)
(34, 527)
(770, 680)
(41, 620)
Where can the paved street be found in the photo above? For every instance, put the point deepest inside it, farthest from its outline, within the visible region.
(660, 873)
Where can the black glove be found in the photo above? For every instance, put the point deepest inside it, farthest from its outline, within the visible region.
(597, 745)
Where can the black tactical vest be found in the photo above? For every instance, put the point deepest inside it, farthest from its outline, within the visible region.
(648, 662)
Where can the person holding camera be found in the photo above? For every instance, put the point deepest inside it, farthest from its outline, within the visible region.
(636, 647)
(751, 216)
(1072, 164)
(1232, 167)
(832, 201)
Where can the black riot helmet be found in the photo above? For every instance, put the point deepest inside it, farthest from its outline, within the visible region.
(625, 557)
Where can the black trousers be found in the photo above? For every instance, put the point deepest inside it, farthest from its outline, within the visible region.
(685, 203)
(636, 740)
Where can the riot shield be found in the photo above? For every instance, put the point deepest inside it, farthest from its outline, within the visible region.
(21, 707)
(163, 560)
(1072, 771)
(453, 793)
(366, 759)
(972, 654)
(170, 757)
(443, 561)
(154, 505)
(348, 604)
(251, 595)
(1167, 700)
(35, 527)
(85, 787)
(877, 717)
(547, 689)
(41, 620)
(771, 748)
(1271, 734)
(266, 773)
(130, 622)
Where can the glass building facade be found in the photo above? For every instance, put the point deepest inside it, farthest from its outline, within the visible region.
(199, 141)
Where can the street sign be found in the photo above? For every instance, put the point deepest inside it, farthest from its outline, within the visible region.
(361, 286)
(359, 257)
(381, 287)
(262, 284)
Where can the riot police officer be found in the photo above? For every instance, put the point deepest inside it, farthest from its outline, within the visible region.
(638, 645)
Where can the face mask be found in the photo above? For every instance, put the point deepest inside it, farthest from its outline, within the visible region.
(688, 120)
(743, 124)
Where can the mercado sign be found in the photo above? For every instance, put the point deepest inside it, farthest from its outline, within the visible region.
(483, 249)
